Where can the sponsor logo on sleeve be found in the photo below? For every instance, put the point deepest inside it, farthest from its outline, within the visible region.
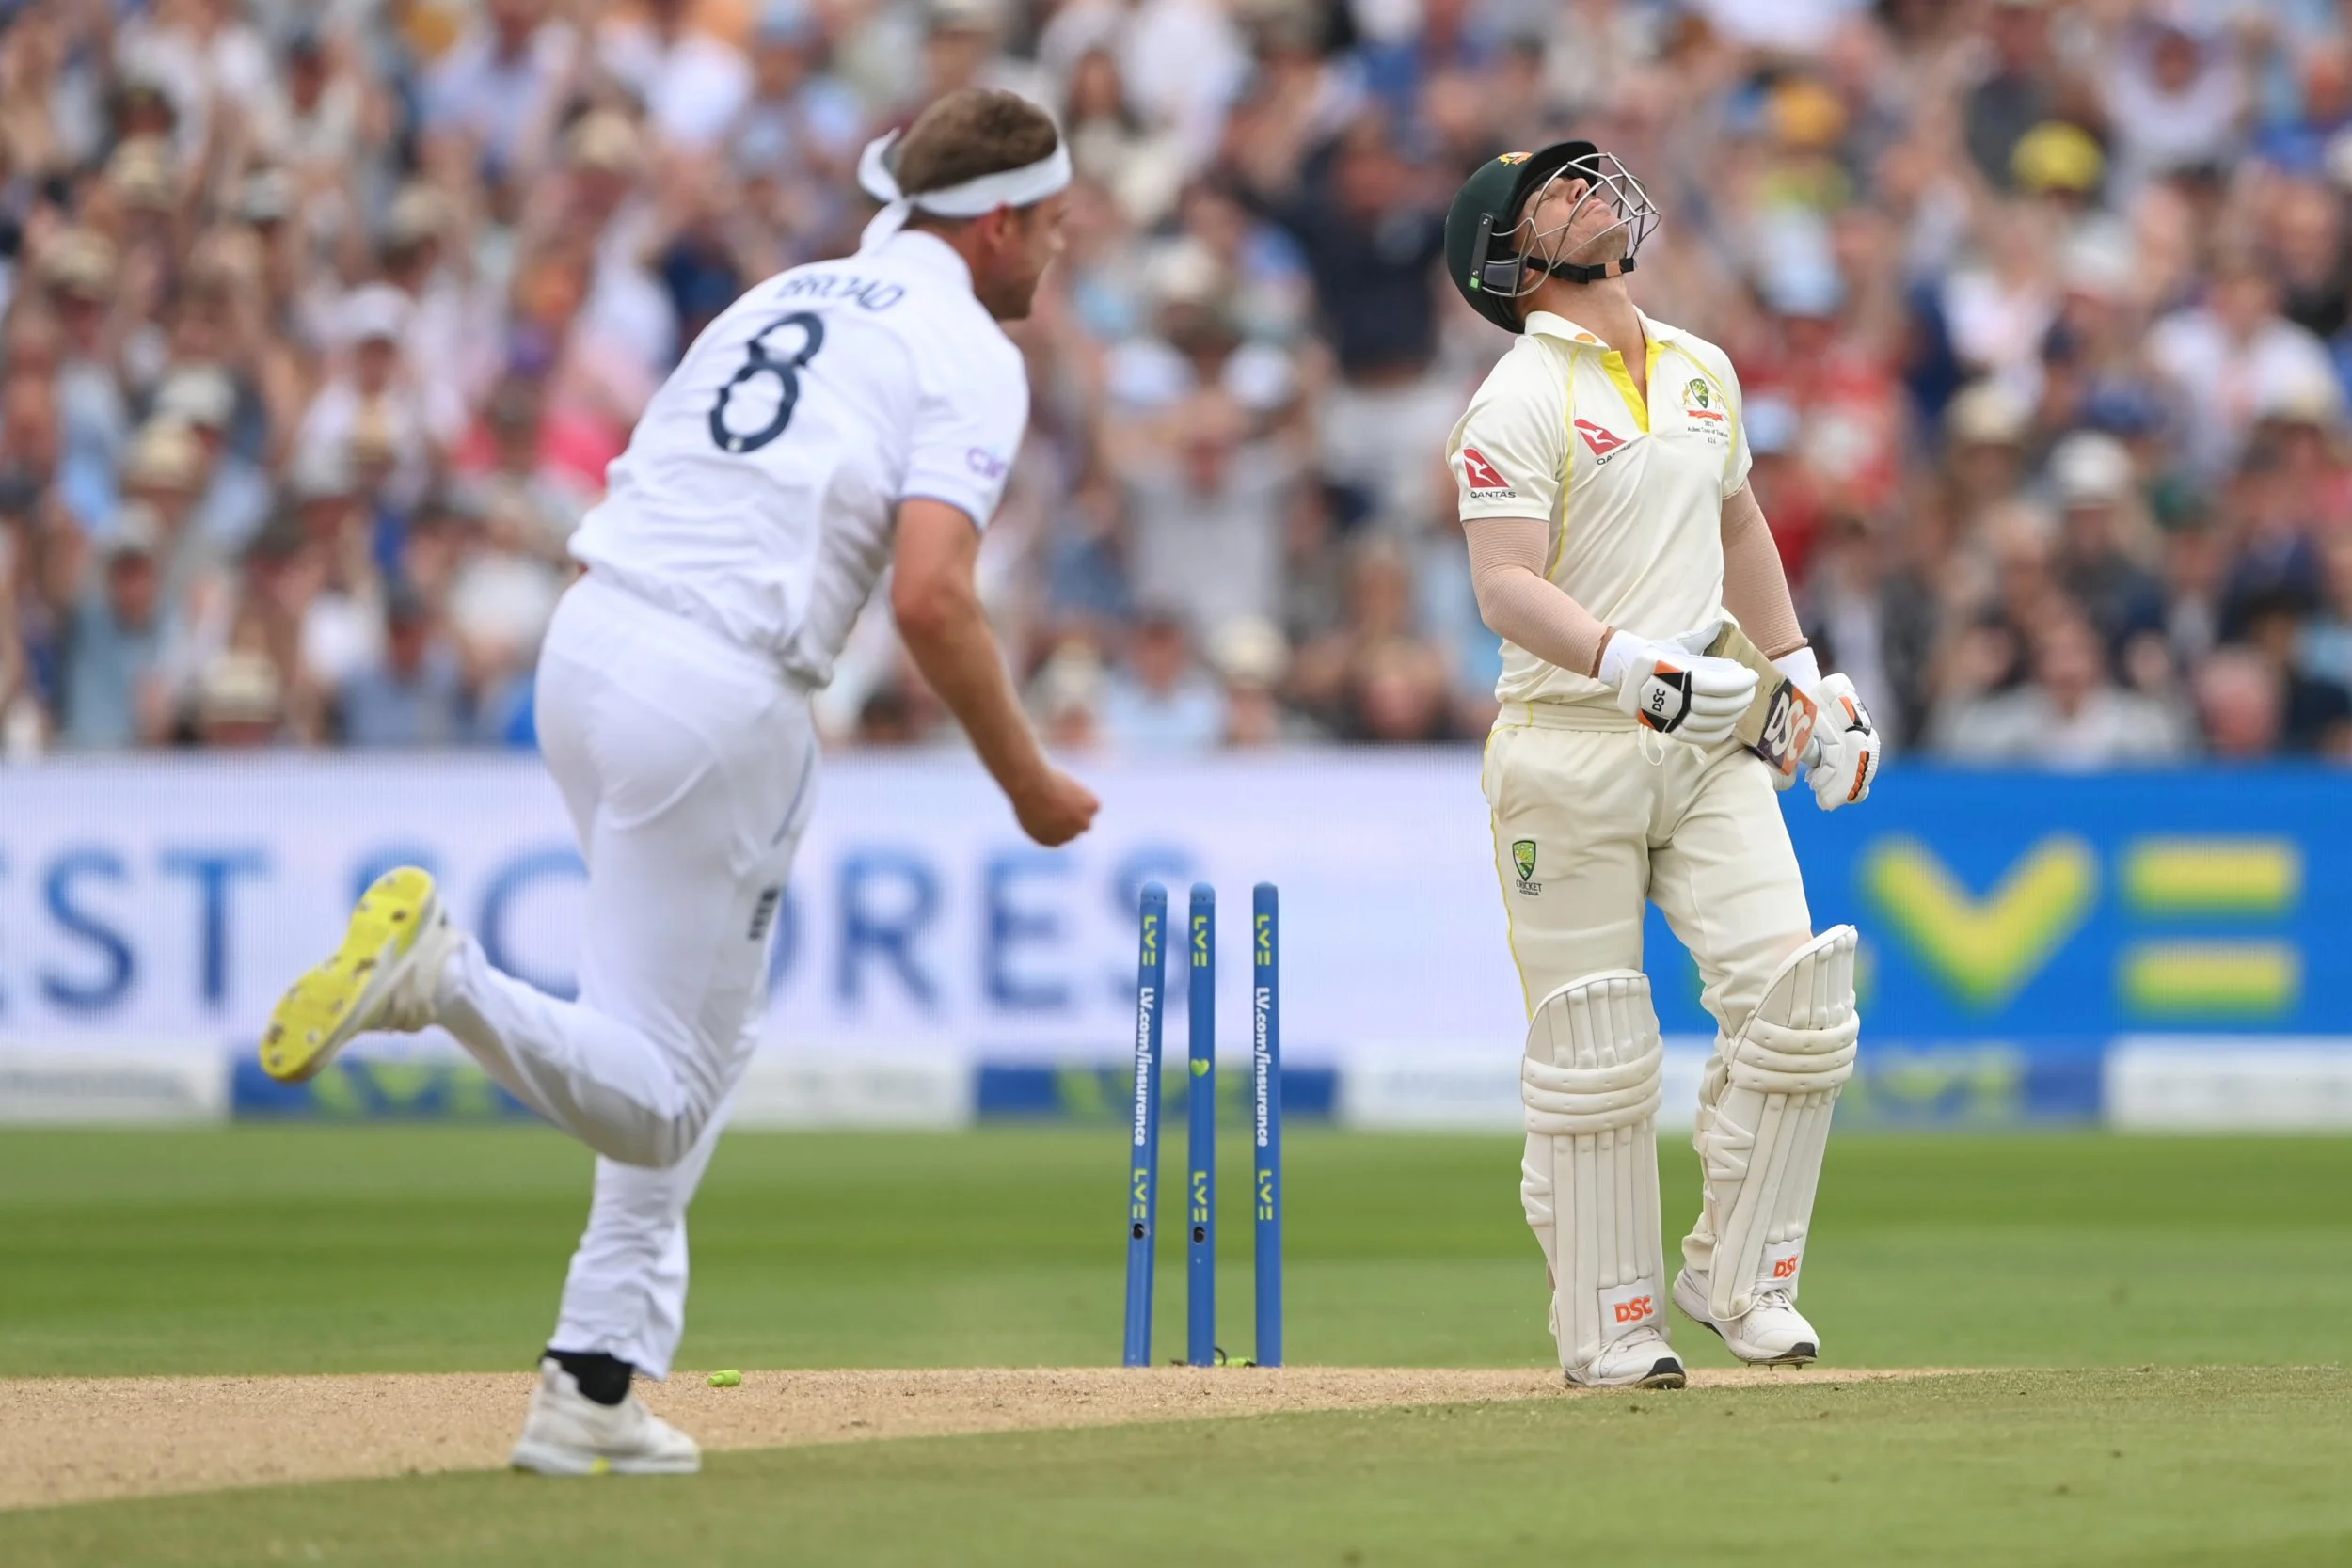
(1484, 480)
(984, 463)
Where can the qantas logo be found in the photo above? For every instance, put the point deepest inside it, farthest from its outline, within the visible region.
(1601, 440)
(1483, 477)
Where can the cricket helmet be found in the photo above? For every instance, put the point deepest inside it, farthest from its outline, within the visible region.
(1492, 250)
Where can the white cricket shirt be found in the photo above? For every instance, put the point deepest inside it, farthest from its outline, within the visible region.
(1634, 487)
(758, 494)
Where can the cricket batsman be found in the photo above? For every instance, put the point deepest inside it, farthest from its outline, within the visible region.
(1620, 553)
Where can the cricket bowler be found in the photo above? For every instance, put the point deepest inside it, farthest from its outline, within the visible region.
(1617, 551)
(840, 417)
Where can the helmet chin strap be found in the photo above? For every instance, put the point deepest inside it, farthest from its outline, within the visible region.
(1582, 272)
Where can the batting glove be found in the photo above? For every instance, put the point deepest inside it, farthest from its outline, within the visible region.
(1849, 762)
(1674, 688)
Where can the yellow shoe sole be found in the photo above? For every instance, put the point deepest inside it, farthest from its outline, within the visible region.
(321, 1011)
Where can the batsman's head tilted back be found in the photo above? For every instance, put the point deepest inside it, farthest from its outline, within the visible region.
(1570, 212)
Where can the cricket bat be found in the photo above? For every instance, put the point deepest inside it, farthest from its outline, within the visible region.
(1778, 725)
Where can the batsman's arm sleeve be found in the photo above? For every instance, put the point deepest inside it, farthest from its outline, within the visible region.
(1756, 589)
(1509, 451)
(1518, 604)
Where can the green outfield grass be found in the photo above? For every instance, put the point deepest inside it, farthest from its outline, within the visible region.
(373, 1248)
(387, 1248)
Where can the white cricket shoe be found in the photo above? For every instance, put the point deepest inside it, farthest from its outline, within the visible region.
(1643, 1359)
(1771, 1333)
(567, 1434)
(386, 975)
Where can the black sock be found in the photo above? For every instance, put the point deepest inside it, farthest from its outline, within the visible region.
(602, 1378)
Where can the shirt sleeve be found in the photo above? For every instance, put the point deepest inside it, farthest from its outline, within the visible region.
(1739, 460)
(1509, 452)
(966, 432)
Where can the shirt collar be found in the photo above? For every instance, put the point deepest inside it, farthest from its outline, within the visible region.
(922, 248)
(1545, 323)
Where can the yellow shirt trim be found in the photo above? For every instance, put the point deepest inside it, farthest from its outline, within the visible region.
(1613, 364)
(1567, 476)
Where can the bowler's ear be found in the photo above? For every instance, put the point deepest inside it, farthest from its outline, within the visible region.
(999, 225)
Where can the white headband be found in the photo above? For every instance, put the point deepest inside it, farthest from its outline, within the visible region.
(976, 197)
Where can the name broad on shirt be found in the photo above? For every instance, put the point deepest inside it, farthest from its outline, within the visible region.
(873, 294)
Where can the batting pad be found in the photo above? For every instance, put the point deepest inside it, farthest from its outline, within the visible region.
(1590, 1083)
(1763, 1125)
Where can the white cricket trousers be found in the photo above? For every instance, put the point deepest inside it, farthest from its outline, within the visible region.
(1610, 820)
(688, 764)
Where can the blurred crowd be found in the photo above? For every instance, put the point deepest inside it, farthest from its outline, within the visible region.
(320, 318)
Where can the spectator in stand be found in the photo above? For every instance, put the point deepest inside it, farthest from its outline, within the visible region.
(2069, 716)
(240, 703)
(501, 84)
(1877, 621)
(1985, 430)
(2219, 357)
(2018, 89)
(1372, 228)
(1250, 656)
(1205, 509)
(413, 695)
(113, 690)
(2315, 713)
(2237, 700)
(2324, 644)
(2175, 97)
(691, 81)
(236, 497)
(2104, 535)
(1161, 700)
(2308, 256)
(796, 144)
(374, 388)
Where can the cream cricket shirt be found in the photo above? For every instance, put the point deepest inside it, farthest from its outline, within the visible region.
(1634, 492)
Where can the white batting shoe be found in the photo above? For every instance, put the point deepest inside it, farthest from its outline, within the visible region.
(567, 1434)
(1771, 1333)
(1643, 1359)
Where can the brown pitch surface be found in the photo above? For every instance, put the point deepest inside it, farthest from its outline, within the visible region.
(75, 1439)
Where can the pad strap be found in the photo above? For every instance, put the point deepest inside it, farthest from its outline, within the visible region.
(1774, 1058)
(1567, 1101)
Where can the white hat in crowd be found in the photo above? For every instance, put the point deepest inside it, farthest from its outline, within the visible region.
(373, 313)
(2091, 468)
(202, 396)
(1989, 414)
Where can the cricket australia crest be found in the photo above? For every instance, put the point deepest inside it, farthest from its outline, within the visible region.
(1523, 862)
(1699, 410)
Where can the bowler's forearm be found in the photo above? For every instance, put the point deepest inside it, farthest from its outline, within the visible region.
(953, 646)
